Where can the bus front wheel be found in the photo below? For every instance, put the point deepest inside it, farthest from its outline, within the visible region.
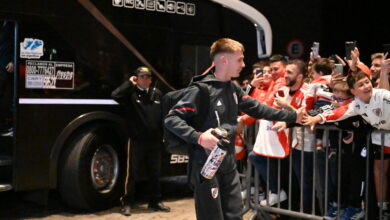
(92, 169)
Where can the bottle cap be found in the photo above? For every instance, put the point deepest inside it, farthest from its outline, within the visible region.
(220, 133)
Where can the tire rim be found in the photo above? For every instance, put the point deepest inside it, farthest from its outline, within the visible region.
(104, 169)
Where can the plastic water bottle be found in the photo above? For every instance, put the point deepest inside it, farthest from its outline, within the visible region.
(216, 156)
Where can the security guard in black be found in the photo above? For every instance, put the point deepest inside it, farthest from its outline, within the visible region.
(144, 119)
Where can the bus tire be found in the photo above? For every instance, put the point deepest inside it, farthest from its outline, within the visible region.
(92, 169)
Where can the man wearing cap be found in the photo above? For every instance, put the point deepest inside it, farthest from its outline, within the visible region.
(144, 120)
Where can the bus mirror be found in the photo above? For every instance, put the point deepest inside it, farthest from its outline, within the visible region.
(263, 28)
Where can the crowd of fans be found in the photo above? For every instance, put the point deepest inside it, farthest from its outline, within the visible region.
(344, 92)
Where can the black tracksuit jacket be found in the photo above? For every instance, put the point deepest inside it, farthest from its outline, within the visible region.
(226, 101)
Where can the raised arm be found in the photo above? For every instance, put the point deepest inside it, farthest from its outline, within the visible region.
(384, 75)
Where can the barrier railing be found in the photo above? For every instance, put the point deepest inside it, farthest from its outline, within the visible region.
(382, 175)
(316, 186)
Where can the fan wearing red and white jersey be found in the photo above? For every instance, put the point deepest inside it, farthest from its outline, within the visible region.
(319, 93)
(274, 143)
(260, 88)
(296, 71)
(278, 70)
(374, 106)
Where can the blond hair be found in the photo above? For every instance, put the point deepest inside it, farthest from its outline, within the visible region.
(342, 86)
(225, 45)
(377, 56)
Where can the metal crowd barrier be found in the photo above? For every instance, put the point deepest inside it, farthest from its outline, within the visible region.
(320, 201)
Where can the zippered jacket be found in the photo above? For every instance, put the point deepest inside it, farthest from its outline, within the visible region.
(226, 101)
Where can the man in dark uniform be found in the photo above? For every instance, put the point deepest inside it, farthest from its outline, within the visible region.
(144, 119)
(6, 76)
(219, 197)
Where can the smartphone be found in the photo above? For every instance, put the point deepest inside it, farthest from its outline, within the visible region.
(316, 49)
(333, 57)
(349, 46)
(280, 93)
(259, 71)
(338, 68)
(386, 49)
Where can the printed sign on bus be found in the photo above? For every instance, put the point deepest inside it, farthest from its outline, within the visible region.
(49, 75)
(31, 48)
(167, 6)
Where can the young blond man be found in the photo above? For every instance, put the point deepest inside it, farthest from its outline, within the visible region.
(219, 197)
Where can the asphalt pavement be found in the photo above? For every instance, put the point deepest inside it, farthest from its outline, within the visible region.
(176, 194)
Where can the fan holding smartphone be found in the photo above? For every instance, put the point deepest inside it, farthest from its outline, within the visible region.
(349, 47)
(280, 93)
(315, 51)
(338, 68)
(352, 57)
(386, 49)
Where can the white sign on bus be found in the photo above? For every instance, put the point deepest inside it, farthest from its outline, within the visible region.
(168, 6)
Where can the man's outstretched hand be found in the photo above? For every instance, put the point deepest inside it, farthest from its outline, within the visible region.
(300, 114)
(311, 121)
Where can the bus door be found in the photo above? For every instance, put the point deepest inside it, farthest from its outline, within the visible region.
(7, 100)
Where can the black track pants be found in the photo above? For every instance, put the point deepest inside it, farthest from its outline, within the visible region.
(218, 198)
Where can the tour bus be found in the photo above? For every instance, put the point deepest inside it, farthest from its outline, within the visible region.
(66, 132)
